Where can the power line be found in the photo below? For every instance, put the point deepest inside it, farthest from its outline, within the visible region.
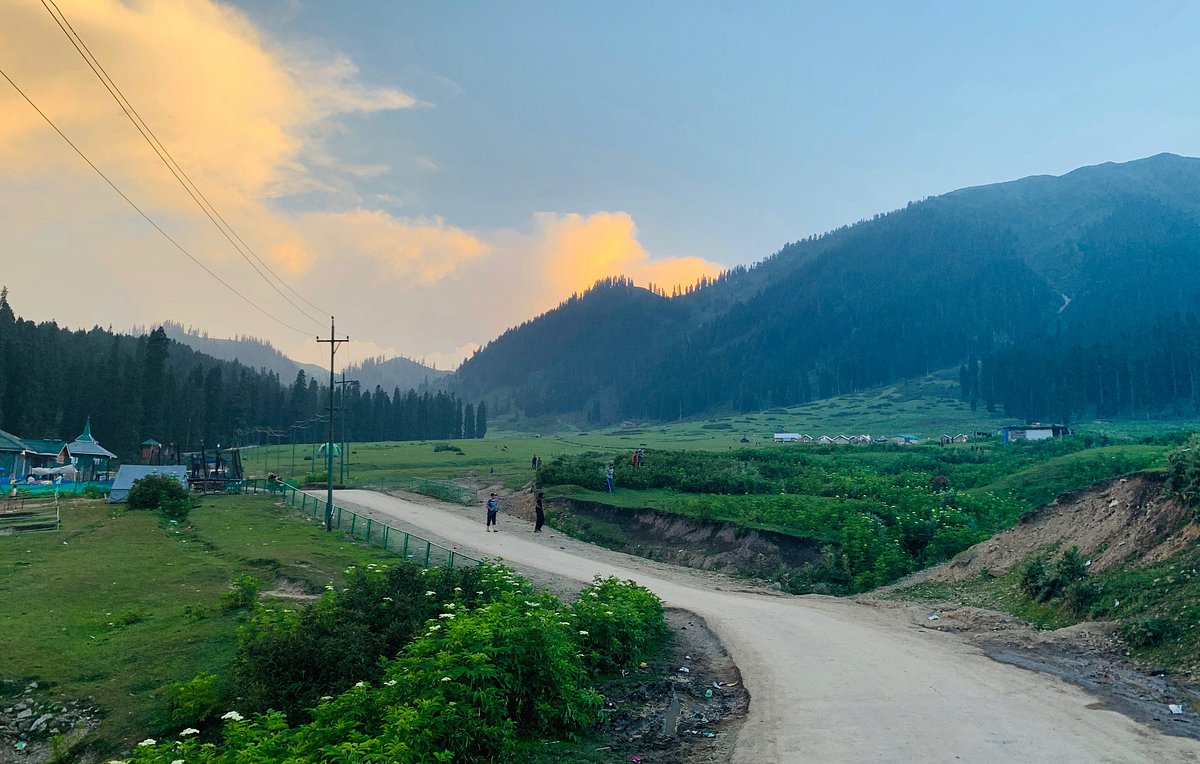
(173, 166)
(148, 219)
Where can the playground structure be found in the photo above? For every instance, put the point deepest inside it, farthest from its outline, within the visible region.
(218, 471)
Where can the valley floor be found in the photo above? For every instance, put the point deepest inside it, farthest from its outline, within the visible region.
(830, 679)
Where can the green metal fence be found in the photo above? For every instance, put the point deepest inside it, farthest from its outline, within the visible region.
(369, 529)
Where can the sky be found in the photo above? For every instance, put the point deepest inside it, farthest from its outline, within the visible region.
(432, 173)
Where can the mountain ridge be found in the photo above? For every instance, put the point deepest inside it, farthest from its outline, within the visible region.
(957, 276)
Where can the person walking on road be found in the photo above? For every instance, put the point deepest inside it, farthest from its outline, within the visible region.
(539, 512)
(608, 477)
(493, 507)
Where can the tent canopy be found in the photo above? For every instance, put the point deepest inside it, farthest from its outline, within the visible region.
(131, 473)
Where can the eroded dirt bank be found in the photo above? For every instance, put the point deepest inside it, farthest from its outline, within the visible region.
(694, 543)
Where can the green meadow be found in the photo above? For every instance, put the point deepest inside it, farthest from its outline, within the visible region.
(119, 604)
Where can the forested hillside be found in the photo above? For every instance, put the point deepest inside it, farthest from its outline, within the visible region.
(133, 388)
(1059, 296)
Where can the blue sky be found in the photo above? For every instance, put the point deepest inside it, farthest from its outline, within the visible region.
(439, 171)
(728, 129)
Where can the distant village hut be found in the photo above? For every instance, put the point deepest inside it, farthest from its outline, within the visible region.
(787, 437)
(151, 451)
(89, 457)
(13, 455)
(1035, 431)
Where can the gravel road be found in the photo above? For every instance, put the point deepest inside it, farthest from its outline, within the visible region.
(832, 680)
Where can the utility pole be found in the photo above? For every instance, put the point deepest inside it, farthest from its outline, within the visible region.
(334, 342)
(343, 382)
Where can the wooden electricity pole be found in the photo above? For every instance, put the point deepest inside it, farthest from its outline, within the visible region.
(334, 343)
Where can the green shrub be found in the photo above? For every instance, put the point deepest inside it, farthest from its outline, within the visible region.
(1183, 475)
(619, 623)
(193, 702)
(287, 661)
(1145, 632)
(473, 684)
(151, 491)
(243, 594)
(1043, 580)
(440, 447)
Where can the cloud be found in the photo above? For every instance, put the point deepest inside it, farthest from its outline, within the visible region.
(243, 116)
(581, 249)
(404, 253)
(250, 119)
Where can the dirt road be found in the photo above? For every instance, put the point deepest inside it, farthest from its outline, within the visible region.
(832, 680)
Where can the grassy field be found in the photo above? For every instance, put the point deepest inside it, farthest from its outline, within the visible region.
(119, 604)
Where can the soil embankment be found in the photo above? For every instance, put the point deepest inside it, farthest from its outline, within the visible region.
(1123, 520)
(704, 544)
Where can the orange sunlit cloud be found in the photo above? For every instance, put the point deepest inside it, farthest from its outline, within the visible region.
(579, 250)
(242, 117)
(404, 253)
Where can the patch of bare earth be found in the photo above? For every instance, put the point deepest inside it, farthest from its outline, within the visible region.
(1123, 520)
(1128, 520)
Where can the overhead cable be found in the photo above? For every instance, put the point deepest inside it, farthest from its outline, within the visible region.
(173, 166)
(148, 219)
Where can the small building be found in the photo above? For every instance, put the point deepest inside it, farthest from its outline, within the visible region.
(88, 456)
(825, 440)
(151, 451)
(787, 437)
(841, 440)
(44, 453)
(129, 474)
(962, 438)
(13, 456)
(1035, 431)
(905, 440)
(860, 440)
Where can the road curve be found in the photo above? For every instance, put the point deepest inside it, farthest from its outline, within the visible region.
(832, 680)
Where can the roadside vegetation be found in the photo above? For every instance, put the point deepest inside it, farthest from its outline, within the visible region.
(257, 630)
(1156, 605)
(878, 512)
(410, 665)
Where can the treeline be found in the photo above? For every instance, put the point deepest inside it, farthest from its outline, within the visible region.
(135, 388)
(1151, 372)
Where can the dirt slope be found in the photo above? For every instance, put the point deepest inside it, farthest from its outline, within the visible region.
(835, 680)
(1111, 523)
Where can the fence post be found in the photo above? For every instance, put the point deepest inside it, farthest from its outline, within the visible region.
(386, 528)
(339, 517)
(404, 551)
(428, 549)
(353, 520)
(449, 559)
(369, 530)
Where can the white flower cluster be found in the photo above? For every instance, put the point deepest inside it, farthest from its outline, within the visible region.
(232, 716)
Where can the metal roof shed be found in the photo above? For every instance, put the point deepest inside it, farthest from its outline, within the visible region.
(129, 474)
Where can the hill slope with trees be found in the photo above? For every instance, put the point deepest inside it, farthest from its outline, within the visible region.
(1058, 296)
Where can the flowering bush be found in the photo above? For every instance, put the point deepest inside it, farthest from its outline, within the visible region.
(618, 623)
(496, 664)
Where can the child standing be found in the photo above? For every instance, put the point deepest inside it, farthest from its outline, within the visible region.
(493, 507)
